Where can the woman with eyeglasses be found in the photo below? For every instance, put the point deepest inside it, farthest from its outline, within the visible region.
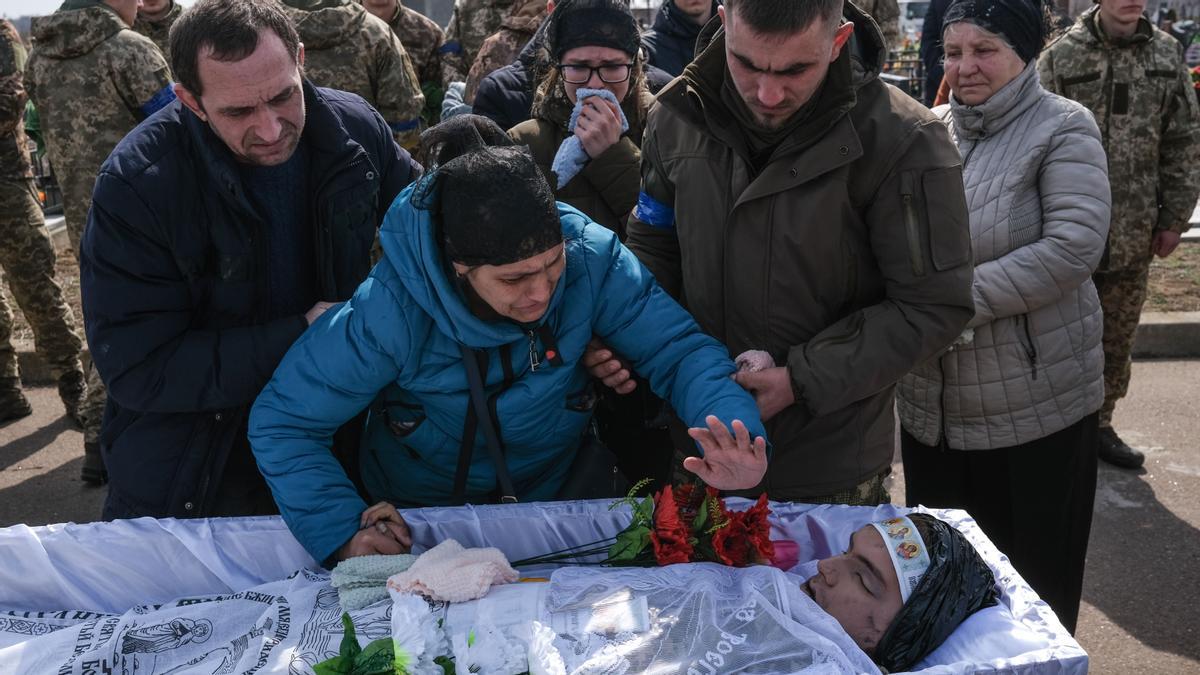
(594, 45)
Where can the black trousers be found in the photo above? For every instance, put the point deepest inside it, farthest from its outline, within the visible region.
(1034, 501)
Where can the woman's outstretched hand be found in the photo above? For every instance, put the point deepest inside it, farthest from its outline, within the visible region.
(730, 462)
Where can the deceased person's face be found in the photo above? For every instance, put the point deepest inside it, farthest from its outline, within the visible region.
(859, 588)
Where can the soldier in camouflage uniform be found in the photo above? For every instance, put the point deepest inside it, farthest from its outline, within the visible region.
(154, 20)
(503, 47)
(347, 48)
(470, 24)
(26, 255)
(1132, 77)
(92, 80)
(422, 39)
(887, 14)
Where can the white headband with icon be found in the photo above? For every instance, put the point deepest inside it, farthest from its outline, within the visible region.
(909, 554)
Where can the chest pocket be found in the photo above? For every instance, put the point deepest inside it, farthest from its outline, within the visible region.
(1085, 88)
(1160, 92)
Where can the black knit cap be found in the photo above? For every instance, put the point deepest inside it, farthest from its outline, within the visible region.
(1021, 22)
(592, 23)
(488, 197)
(957, 584)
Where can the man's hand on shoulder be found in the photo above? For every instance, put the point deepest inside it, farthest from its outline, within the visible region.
(607, 367)
(317, 310)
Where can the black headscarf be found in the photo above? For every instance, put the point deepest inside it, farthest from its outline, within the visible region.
(956, 585)
(1021, 22)
(488, 197)
(592, 23)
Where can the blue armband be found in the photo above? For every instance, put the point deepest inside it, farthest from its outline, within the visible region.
(452, 47)
(160, 100)
(401, 127)
(654, 213)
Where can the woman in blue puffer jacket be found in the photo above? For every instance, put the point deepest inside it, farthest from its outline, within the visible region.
(480, 262)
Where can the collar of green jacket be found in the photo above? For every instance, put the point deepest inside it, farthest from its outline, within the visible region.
(394, 21)
(77, 28)
(168, 18)
(323, 24)
(1088, 29)
(727, 118)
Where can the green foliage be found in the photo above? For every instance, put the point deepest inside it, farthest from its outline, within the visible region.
(630, 542)
(378, 658)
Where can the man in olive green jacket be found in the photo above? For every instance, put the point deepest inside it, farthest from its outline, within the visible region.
(797, 205)
(154, 20)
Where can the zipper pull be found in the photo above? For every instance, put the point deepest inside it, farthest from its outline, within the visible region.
(534, 359)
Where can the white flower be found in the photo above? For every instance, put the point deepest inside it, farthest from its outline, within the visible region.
(544, 658)
(488, 650)
(416, 634)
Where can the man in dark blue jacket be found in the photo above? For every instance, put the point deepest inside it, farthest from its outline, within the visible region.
(220, 229)
(931, 49)
(671, 43)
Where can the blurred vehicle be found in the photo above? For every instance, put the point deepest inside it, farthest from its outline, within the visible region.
(912, 16)
(49, 194)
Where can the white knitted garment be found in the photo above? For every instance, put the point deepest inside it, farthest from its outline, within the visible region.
(448, 572)
(753, 361)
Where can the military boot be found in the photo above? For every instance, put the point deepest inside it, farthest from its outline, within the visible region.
(13, 405)
(1116, 452)
(72, 389)
(93, 472)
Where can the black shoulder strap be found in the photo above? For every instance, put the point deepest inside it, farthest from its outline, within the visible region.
(479, 410)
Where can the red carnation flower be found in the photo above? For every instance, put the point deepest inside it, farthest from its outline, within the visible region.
(670, 536)
(746, 540)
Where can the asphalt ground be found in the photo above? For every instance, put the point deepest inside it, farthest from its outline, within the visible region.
(1142, 587)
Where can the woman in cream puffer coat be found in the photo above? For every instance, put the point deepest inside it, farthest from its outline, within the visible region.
(1004, 423)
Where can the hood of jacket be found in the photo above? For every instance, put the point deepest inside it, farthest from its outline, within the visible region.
(525, 16)
(411, 247)
(974, 122)
(70, 33)
(670, 21)
(532, 52)
(326, 23)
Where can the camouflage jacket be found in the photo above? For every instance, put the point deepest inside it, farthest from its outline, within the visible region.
(502, 48)
(14, 150)
(1141, 95)
(158, 30)
(92, 80)
(470, 24)
(347, 48)
(423, 39)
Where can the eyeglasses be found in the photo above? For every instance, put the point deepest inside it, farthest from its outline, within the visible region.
(610, 73)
